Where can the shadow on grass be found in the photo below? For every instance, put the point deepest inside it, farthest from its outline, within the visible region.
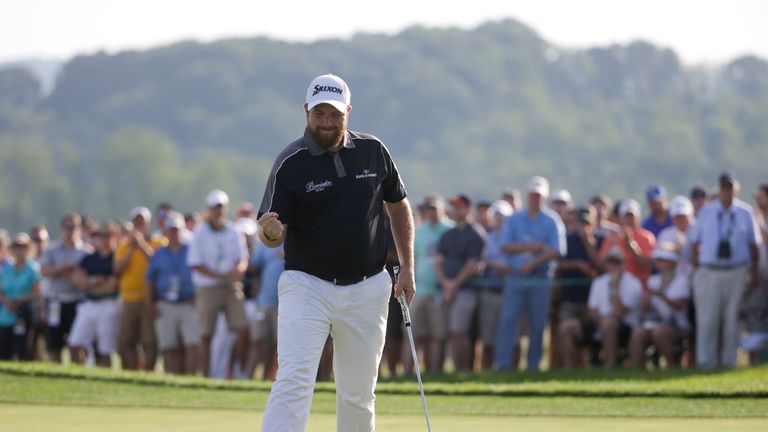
(493, 377)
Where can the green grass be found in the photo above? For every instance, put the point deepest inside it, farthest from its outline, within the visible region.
(580, 400)
(743, 383)
(79, 419)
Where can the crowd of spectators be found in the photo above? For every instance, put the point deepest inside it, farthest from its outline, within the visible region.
(687, 286)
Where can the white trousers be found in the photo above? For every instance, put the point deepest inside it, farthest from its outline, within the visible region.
(222, 344)
(310, 309)
(717, 296)
(96, 321)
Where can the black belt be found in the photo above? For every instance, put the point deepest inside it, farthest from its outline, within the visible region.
(349, 280)
(724, 266)
(493, 289)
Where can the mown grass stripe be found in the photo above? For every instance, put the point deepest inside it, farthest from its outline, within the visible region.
(745, 383)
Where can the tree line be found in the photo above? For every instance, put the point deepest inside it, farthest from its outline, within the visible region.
(462, 110)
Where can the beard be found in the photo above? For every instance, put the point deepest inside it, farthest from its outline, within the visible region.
(327, 138)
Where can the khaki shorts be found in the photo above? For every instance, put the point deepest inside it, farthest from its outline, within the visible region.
(226, 297)
(262, 322)
(490, 309)
(579, 311)
(428, 318)
(136, 326)
(461, 311)
(176, 326)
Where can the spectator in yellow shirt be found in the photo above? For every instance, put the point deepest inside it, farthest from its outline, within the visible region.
(131, 262)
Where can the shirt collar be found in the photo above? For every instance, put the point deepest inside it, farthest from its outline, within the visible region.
(314, 148)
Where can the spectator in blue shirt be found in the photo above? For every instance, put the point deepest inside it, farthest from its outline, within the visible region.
(19, 287)
(262, 313)
(171, 297)
(494, 270)
(658, 203)
(533, 239)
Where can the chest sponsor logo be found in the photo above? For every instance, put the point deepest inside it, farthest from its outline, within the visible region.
(365, 174)
(318, 187)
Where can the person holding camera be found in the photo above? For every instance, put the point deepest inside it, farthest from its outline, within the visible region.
(725, 243)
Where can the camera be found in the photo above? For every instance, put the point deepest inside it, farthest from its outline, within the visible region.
(724, 250)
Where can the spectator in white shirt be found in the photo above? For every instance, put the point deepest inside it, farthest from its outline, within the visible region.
(664, 320)
(219, 257)
(681, 211)
(614, 304)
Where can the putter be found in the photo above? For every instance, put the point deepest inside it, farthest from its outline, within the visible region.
(407, 321)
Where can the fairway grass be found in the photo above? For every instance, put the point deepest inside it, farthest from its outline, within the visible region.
(70, 398)
(91, 419)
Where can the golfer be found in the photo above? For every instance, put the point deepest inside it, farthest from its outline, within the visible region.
(325, 199)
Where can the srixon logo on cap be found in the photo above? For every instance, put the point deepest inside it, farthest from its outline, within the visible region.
(322, 88)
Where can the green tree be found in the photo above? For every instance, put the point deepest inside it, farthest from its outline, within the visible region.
(31, 191)
(136, 166)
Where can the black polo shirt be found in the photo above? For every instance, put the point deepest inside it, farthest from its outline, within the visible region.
(97, 265)
(332, 204)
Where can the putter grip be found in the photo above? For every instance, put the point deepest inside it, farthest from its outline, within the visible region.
(404, 308)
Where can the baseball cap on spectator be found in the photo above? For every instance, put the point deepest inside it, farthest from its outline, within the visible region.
(433, 202)
(142, 211)
(698, 191)
(664, 254)
(329, 89)
(502, 207)
(601, 198)
(162, 209)
(680, 206)
(630, 206)
(174, 220)
(21, 239)
(655, 192)
(509, 191)
(539, 185)
(217, 197)
(561, 195)
(727, 178)
(461, 200)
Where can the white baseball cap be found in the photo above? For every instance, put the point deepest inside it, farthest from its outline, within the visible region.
(630, 206)
(502, 207)
(21, 239)
(217, 197)
(539, 185)
(680, 205)
(664, 254)
(144, 212)
(561, 195)
(329, 89)
(174, 220)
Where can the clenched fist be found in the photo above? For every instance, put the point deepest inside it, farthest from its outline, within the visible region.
(271, 227)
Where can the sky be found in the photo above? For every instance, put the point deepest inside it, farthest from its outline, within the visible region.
(702, 31)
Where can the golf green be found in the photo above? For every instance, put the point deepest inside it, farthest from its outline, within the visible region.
(45, 418)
